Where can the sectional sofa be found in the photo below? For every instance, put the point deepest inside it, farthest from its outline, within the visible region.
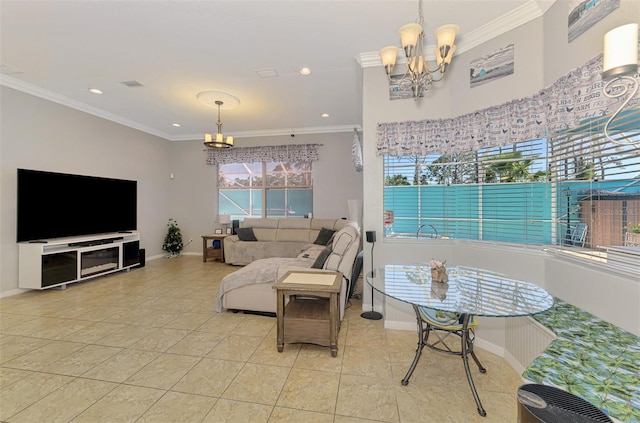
(282, 245)
(274, 238)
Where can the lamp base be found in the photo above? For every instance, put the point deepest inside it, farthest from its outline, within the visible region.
(371, 315)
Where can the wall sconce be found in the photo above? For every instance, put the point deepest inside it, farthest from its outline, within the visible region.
(620, 67)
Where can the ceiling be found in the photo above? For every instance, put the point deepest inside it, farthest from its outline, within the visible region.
(176, 49)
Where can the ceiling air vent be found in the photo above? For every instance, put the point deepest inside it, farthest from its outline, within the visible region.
(132, 84)
(267, 73)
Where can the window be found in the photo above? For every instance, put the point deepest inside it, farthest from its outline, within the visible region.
(495, 194)
(578, 189)
(265, 189)
(597, 184)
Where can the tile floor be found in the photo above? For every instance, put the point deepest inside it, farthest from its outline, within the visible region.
(148, 346)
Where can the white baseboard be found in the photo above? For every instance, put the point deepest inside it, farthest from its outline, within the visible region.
(515, 364)
(479, 342)
(13, 292)
(399, 325)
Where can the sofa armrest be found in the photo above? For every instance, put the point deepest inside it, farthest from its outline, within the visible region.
(231, 239)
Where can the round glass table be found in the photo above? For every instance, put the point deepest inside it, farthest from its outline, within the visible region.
(469, 292)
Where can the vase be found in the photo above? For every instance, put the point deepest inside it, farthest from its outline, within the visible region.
(439, 274)
(439, 290)
(632, 239)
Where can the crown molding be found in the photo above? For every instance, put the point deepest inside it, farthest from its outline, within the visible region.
(517, 17)
(505, 23)
(521, 15)
(280, 132)
(83, 107)
(36, 91)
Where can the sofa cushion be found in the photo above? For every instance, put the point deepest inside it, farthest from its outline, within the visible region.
(311, 251)
(264, 234)
(292, 235)
(321, 259)
(317, 224)
(294, 224)
(324, 237)
(246, 234)
(257, 222)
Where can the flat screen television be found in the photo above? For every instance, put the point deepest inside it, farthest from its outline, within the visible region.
(57, 205)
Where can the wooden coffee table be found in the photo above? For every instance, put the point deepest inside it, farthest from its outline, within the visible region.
(312, 314)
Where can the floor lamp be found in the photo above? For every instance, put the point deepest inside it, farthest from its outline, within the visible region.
(371, 315)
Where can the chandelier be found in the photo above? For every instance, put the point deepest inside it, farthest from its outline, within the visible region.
(218, 100)
(418, 76)
(219, 141)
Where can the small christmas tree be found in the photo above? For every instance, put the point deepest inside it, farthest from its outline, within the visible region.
(173, 240)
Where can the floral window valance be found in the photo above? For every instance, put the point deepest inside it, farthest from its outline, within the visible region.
(573, 98)
(269, 153)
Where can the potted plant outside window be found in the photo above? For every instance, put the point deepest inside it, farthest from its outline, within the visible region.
(632, 238)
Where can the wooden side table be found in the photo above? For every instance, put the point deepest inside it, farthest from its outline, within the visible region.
(210, 252)
(309, 320)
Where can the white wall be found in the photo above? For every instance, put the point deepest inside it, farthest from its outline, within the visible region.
(537, 64)
(562, 56)
(42, 135)
(194, 198)
(526, 79)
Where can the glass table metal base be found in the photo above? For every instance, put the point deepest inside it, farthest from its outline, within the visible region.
(469, 292)
(466, 349)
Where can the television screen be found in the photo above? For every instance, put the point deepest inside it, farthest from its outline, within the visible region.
(56, 205)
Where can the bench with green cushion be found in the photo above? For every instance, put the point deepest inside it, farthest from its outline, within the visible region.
(592, 359)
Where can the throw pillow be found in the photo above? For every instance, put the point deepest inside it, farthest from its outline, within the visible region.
(324, 237)
(246, 234)
(322, 257)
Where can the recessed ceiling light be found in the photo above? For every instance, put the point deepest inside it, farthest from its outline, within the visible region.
(305, 71)
(325, 115)
(95, 91)
(177, 125)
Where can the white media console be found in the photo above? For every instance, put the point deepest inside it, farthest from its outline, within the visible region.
(56, 262)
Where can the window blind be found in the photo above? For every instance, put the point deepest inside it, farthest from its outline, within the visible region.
(495, 194)
(597, 186)
(577, 191)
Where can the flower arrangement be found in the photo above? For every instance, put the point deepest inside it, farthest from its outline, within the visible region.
(438, 271)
